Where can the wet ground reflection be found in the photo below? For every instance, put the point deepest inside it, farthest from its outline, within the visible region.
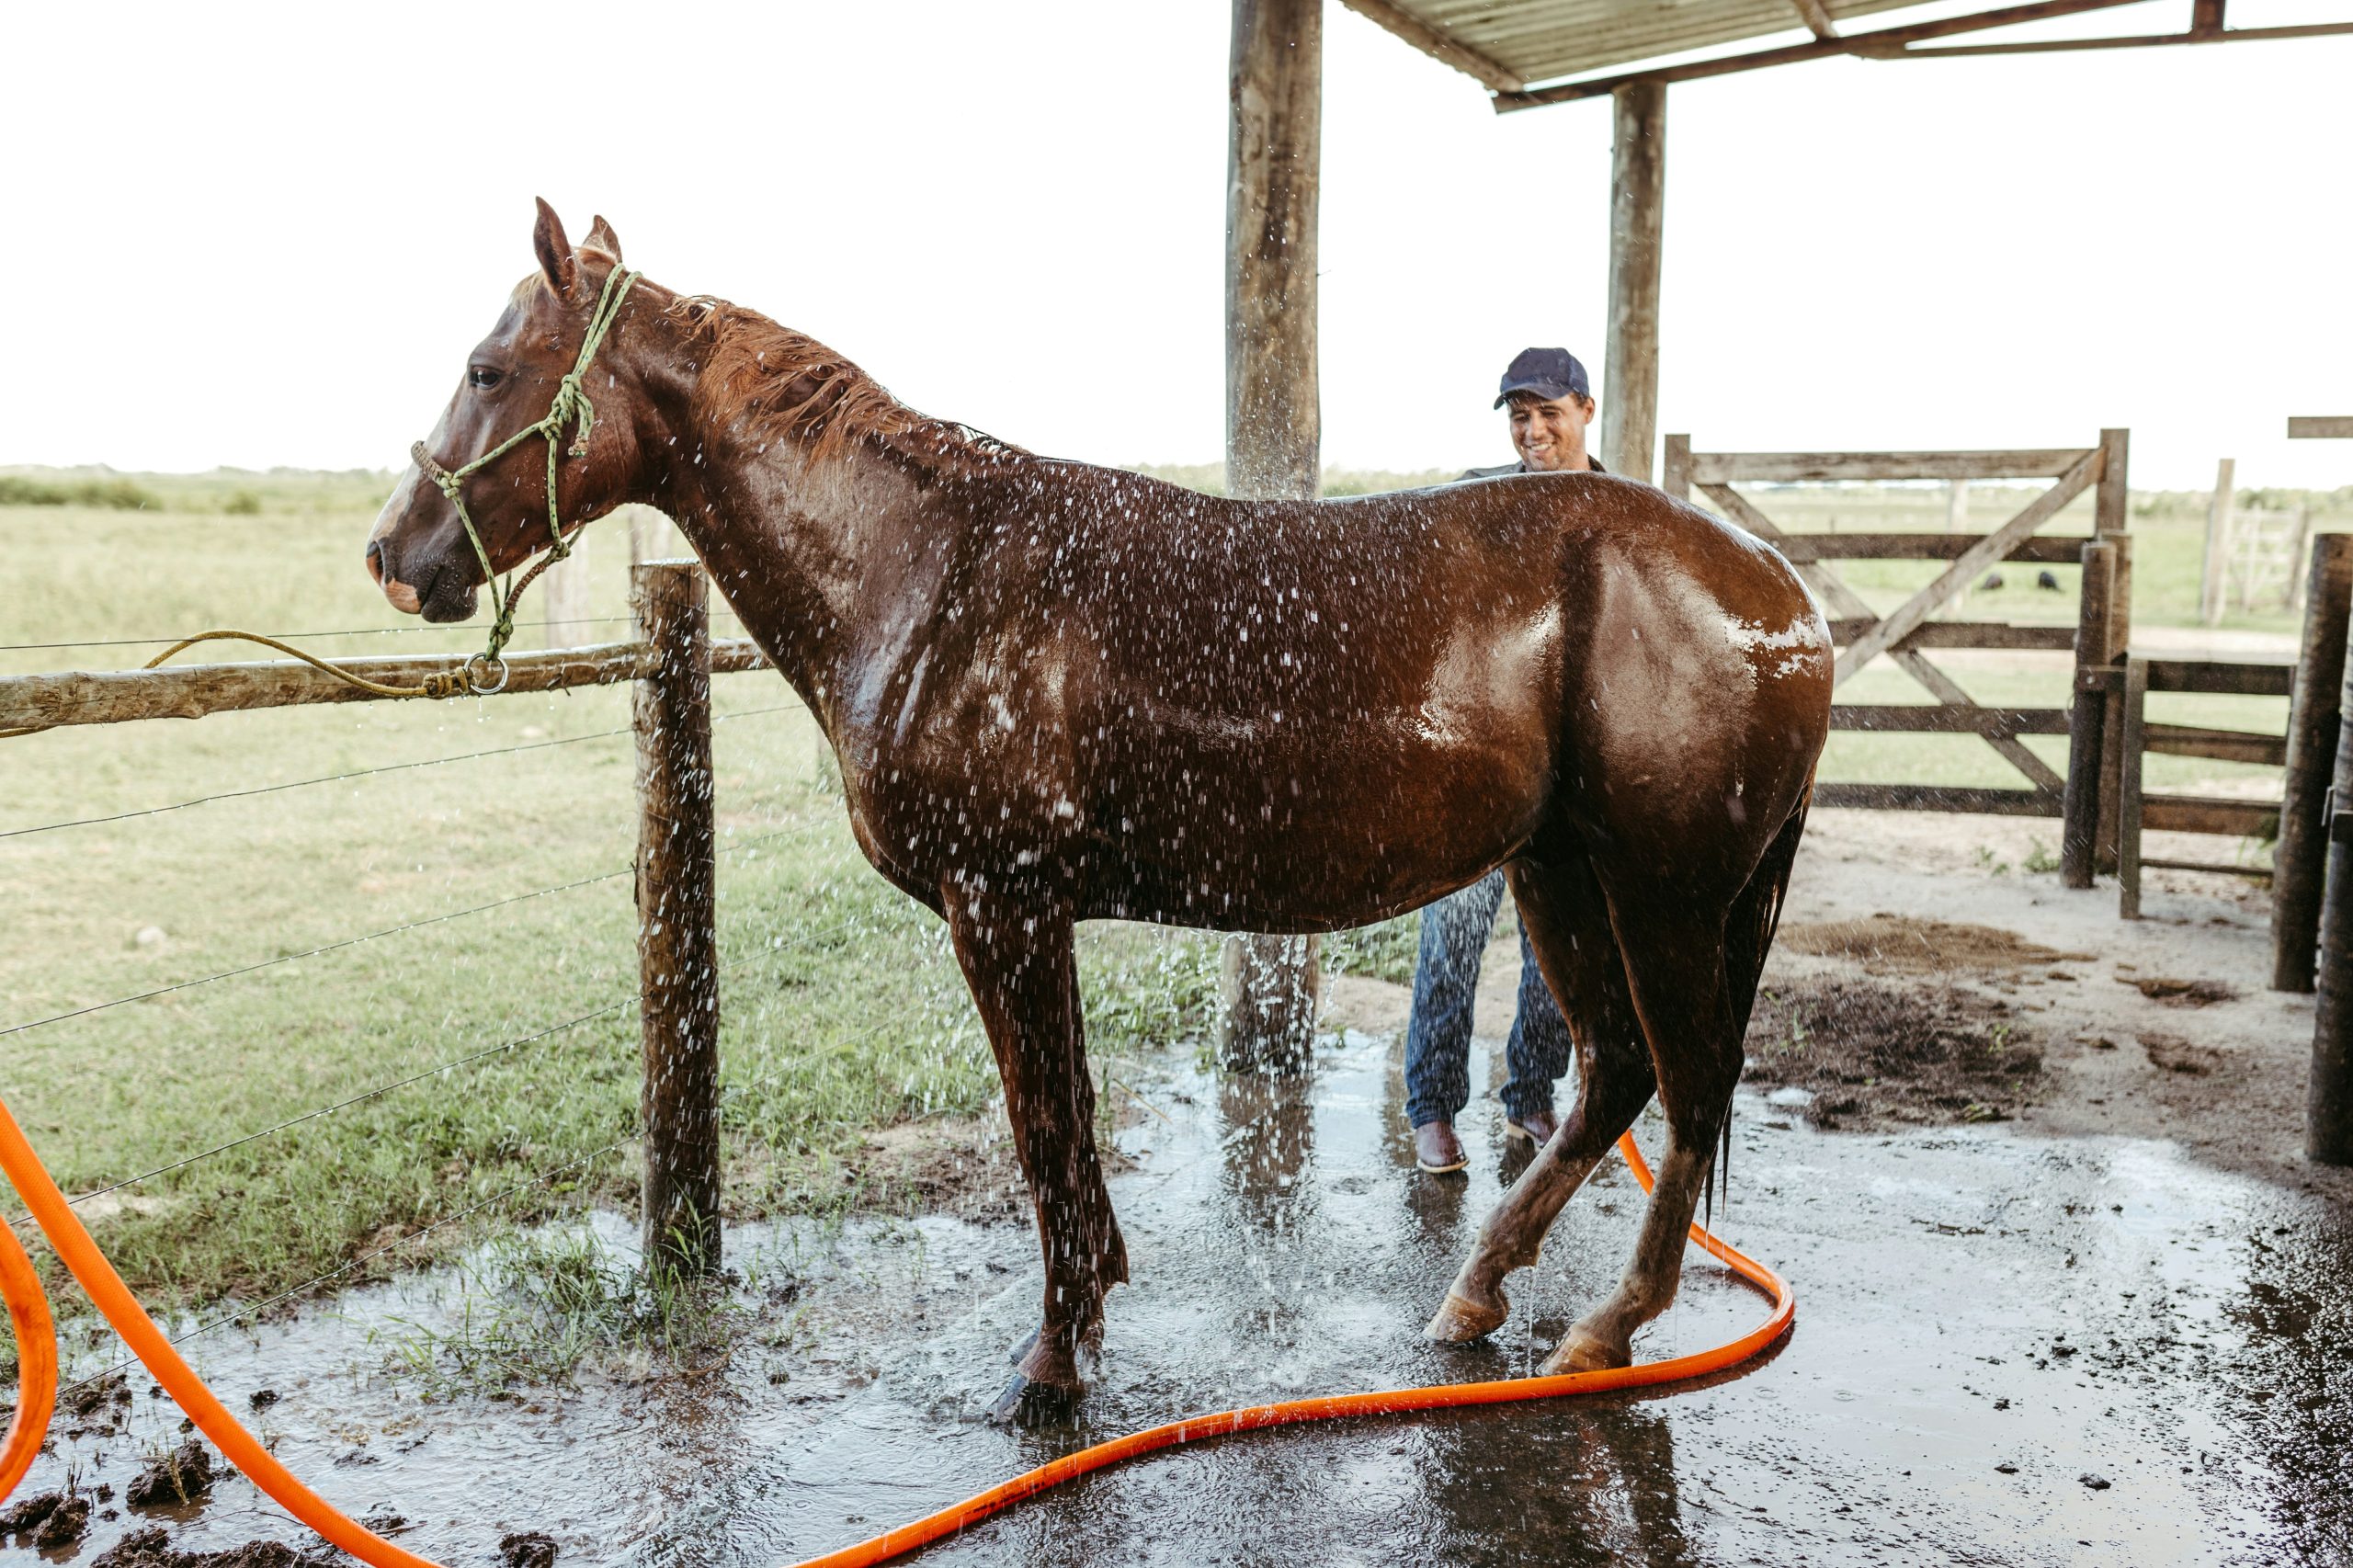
(1967, 1300)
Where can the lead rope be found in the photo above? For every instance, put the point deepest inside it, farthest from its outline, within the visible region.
(485, 674)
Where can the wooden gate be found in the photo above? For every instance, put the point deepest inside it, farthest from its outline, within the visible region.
(2085, 797)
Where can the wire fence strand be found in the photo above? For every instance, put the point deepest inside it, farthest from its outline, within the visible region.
(376, 936)
(312, 952)
(368, 772)
(435, 1072)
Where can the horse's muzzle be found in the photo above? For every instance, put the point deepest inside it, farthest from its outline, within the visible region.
(386, 572)
(445, 596)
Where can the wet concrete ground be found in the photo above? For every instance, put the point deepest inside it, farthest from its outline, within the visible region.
(1969, 1300)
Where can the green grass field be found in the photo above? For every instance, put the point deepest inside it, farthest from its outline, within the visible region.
(841, 1010)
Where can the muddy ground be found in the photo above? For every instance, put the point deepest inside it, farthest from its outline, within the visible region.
(2067, 1294)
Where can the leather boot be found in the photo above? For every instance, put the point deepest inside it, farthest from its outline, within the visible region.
(1435, 1148)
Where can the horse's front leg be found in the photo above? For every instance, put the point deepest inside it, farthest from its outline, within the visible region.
(1018, 956)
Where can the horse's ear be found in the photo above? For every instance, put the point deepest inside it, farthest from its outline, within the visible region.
(601, 235)
(556, 262)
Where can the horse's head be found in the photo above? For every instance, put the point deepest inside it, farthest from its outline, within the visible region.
(526, 396)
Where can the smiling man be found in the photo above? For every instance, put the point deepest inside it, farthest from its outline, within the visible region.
(1552, 406)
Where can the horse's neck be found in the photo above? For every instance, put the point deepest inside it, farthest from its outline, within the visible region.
(814, 559)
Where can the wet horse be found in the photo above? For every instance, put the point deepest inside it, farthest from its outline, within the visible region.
(1061, 693)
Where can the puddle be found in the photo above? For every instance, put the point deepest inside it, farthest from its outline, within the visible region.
(1968, 1299)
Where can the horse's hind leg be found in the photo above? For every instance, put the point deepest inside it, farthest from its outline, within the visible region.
(1674, 950)
(1568, 925)
(1019, 957)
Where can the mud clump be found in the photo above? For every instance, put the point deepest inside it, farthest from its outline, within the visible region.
(527, 1548)
(49, 1522)
(28, 1513)
(1876, 1055)
(152, 1548)
(184, 1475)
(2171, 992)
(98, 1406)
(1885, 943)
(65, 1525)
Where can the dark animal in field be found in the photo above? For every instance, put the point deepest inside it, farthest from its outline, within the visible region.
(1063, 693)
(2047, 579)
(1993, 580)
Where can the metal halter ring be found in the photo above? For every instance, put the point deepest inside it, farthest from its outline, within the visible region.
(478, 670)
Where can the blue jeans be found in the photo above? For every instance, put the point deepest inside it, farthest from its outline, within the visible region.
(1438, 1036)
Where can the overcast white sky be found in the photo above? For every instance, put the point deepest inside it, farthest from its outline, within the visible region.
(260, 235)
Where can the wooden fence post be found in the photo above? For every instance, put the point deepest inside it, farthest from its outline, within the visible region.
(677, 942)
(2214, 578)
(2079, 824)
(1957, 521)
(1674, 468)
(2112, 517)
(2134, 731)
(2300, 861)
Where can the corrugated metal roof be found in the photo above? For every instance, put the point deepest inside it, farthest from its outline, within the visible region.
(1527, 42)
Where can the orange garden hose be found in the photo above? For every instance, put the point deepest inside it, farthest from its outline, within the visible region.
(36, 1360)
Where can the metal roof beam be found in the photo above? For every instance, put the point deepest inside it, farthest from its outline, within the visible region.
(2144, 40)
(1438, 45)
(1882, 40)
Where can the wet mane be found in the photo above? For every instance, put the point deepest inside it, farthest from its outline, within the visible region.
(756, 370)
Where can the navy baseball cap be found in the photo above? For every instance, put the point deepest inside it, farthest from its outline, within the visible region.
(1550, 373)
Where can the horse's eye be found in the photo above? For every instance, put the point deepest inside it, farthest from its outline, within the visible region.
(484, 376)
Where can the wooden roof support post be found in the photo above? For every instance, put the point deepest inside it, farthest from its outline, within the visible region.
(2328, 1093)
(2300, 862)
(1273, 416)
(1637, 226)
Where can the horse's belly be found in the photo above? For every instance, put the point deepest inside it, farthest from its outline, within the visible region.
(1307, 835)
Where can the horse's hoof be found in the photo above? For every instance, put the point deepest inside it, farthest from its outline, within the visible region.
(1460, 1322)
(1582, 1353)
(1030, 1404)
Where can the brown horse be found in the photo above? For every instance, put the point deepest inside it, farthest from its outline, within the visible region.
(1063, 693)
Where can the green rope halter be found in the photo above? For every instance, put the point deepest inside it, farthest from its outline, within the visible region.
(571, 406)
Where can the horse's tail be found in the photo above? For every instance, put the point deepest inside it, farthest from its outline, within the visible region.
(1755, 915)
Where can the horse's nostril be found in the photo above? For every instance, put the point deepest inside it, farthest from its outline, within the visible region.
(376, 560)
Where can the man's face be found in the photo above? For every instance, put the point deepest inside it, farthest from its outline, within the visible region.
(1549, 435)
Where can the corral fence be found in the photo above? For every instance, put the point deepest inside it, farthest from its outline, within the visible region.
(2105, 724)
(2100, 801)
(671, 663)
(2085, 798)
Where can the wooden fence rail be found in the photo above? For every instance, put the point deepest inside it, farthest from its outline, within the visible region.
(192, 692)
(672, 661)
